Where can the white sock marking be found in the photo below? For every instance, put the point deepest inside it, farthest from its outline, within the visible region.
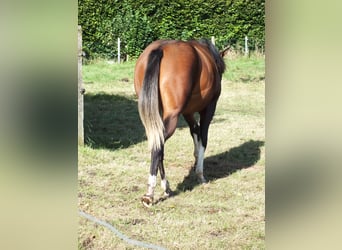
(152, 182)
(166, 187)
(195, 138)
(200, 159)
(199, 166)
(164, 184)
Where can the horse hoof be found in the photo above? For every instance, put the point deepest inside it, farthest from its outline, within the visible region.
(147, 201)
(167, 195)
(201, 179)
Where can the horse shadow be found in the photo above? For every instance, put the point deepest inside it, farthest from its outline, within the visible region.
(223, 165)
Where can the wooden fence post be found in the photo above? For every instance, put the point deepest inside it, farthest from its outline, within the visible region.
(80, 89)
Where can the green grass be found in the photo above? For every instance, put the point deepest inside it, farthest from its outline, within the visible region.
(227, 213)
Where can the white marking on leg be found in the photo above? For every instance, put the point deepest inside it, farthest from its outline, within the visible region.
(152, 182)
(199, 165)
(195, 138)
(165, 185)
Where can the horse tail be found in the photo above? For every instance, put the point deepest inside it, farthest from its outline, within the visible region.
(149, 102)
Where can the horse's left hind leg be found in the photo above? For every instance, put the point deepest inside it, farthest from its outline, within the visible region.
(156, 158)
(164, 182)
(170, 124)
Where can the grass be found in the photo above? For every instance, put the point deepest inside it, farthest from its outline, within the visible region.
(227, 213)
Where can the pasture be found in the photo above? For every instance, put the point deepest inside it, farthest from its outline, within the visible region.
(226, 213)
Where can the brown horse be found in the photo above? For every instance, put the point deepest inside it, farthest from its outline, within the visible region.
(173, 78)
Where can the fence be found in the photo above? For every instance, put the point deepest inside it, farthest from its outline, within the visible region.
(238, 49)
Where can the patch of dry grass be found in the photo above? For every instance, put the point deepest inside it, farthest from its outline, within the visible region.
(227, 213)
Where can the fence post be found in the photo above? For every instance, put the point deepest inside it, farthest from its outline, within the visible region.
(246, 46)
(80, 89)
(119, 50)
(213, 40)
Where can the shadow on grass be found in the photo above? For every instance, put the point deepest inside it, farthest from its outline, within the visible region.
(224, 164)
(112, 121)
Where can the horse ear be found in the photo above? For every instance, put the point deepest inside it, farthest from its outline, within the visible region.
(223, 52)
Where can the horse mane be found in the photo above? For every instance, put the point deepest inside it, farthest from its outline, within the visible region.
(221, 66)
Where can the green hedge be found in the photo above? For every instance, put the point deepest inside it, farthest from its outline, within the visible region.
(140, 22)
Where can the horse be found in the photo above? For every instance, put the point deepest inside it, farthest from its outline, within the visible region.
(173, 78)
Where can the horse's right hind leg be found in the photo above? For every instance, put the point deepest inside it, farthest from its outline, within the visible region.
(195, 133)
(206, 116)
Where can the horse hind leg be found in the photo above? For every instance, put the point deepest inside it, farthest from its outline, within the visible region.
(199, 163)
(170, 124)
(205, 118)
(195, 133)
(164, 182)
(197, 140)
(199, 150)
(156, 158)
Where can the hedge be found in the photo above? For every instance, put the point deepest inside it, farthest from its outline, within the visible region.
(140, 22)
